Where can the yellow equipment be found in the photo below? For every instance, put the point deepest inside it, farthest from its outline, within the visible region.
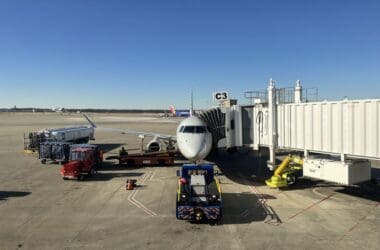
(286, 172)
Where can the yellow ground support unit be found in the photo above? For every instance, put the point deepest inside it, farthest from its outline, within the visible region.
(29, 152)
(286, 172)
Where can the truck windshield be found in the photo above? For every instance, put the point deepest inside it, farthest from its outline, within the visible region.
(77, 156)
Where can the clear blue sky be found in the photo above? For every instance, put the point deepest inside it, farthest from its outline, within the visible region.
(149, 54)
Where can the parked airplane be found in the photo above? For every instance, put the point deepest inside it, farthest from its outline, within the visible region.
(193, 138)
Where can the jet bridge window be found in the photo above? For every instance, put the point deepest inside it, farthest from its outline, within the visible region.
(194, 129)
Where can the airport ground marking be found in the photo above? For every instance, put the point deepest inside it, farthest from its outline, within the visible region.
(133, 192)
(159, 179)
(310, 206)
(263, 202)
(315, 191)
(132, 199)
(152, 175)
(358, 222)
(96, 213)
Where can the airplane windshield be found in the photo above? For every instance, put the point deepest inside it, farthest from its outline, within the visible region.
(194, 129)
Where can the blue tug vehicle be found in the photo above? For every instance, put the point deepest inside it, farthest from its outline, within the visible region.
(199, 196)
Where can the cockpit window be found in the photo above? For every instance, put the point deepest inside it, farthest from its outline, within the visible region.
(200, 129)
(188, 129)
(194, 129)
(181, 129)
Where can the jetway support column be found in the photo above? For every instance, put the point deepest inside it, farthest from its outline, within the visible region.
(272, 106)
(306, 153)
(298, 92)
(343, 157)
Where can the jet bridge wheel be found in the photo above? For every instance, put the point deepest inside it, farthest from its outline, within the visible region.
(290, 179)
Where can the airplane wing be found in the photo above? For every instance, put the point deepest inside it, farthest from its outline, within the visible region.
(141, 133)
(164, 137)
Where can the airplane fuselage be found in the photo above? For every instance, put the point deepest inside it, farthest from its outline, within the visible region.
(194, 139)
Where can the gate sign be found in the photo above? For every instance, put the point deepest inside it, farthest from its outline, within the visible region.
(221, 96)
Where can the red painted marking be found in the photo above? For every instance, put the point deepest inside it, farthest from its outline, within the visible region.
(357, 223)
(311, 206)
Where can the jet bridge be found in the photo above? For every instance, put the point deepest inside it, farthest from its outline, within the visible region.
(346, 129)
(215, 120)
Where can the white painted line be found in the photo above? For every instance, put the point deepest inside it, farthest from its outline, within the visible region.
(152, 175)
(132, 195)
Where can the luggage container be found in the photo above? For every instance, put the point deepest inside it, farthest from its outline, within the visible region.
(54, 151)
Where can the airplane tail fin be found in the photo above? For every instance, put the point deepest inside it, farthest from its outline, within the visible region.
(172, 109)
(89, 121)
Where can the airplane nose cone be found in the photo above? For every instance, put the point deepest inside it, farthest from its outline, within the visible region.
(193, 153)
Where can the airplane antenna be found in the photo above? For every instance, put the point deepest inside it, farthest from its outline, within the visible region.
(192, 104)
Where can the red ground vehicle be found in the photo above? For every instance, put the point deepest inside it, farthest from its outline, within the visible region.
(83, 160)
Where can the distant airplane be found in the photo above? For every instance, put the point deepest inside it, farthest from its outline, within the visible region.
(58, 110)
(172, 112)
(179, 113)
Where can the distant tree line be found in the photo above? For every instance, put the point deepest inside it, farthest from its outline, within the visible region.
(88, 110)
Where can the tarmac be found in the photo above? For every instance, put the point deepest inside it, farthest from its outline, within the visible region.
(40, 210)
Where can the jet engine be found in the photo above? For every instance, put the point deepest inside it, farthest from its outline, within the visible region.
(154, 145)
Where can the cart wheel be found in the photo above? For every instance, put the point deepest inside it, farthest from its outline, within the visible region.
(43, 161)
(161, 162)
(131, 162)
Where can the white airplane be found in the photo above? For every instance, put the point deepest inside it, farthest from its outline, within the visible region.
(193, 138)
(58, 110)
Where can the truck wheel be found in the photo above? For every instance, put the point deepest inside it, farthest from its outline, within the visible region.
(91, 172)
(80, 177)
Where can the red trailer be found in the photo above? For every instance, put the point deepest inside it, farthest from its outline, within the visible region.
(141, 159)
